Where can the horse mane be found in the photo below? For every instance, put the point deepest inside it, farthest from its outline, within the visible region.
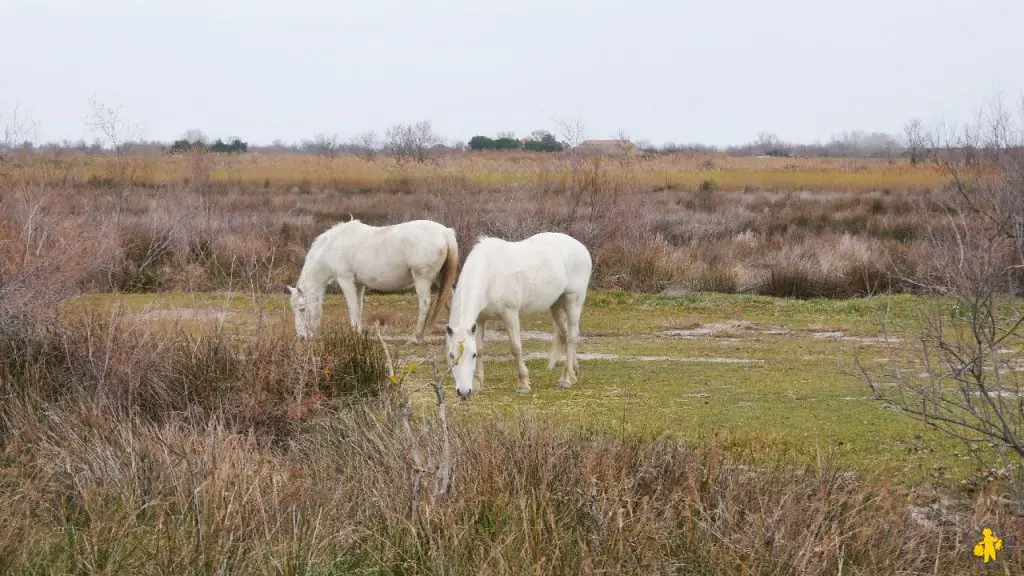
(323, 237)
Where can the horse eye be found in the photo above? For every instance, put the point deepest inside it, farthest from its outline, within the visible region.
(474, 354)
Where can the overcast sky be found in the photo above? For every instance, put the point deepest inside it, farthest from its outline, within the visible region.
(713, 71)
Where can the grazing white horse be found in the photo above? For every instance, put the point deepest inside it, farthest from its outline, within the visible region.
(501, 280)
(385, 258)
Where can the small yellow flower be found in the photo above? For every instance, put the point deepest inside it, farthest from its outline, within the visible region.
(394, 379)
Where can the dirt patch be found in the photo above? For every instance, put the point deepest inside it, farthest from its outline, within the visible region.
(841, 335)
(827, 335)
(731, 328)
(181, 314)
(606, 356)
(874, 340)
(493, 335)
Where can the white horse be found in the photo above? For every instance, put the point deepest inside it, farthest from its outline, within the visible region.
(385, 258)
(501, 280)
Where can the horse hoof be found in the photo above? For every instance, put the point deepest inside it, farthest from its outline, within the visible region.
(523, 390)
(563, 384)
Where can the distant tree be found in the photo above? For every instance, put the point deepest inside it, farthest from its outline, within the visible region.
(543, 141)
(507, 143)
(181, 145)
(325, 145)
(914, 139)
(365, 145)
(16, 130)
(770, 144)
(411, 141)
(195, 136)
(195, 140)
(481, 143)
(236, 146)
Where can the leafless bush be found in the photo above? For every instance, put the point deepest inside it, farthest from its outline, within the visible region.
(966, 379)
(118, 134)
(411, 141)
(326, 145)
(915, 140)
(365, 145)
(17, 130)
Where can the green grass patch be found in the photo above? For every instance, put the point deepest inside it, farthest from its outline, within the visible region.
(779, 383)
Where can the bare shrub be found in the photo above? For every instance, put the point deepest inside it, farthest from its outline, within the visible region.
(326, 145)
(914, 140)
(339, 496)
(365, 145)
(642, 265)
(411, 141)
(965, 379)
(146, 252)
(212, 232)
(129, 365)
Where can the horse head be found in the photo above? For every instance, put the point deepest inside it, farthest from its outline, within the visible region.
(307, 311)
(460, 344)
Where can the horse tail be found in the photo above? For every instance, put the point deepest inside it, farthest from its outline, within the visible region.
(557, 346)
(448, 273)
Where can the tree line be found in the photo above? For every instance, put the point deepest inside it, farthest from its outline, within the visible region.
(184, 145)
(539, 141)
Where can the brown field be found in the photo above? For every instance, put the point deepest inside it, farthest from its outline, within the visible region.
(138, 444)
(347, 172)
(776, 226)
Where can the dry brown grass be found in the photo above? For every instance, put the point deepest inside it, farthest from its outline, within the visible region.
(183, 456)
(202, 230)
(131, 448)
(684, 172)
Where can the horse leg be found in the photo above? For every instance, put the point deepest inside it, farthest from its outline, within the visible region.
(515, 345)
(573, 309)
(348, 287)
(478, 372)
(423, 292)
(558, 346)
(361, 290)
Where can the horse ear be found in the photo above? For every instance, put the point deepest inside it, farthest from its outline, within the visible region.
(294, 290)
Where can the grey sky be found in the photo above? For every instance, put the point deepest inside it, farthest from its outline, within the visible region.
(715, 72)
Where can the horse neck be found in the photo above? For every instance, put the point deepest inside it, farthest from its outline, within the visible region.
(468, 300)
(314, 276)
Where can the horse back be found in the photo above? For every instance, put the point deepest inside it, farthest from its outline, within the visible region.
(533, 274)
